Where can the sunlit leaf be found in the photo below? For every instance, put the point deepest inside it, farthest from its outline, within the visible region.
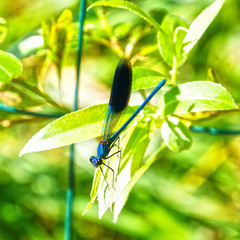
(94, 190)
(122, 30)
(124, 194)
(129, 6)
(10, 67)
(133, 153)
(3, 29)
(56, 36)
(170, 40)
(71, 128)
(145, 78)
(211, 76)
(133, 144)
(196, 97)
(201, 23)
(179, 35)
(176, 135)
(166, 48)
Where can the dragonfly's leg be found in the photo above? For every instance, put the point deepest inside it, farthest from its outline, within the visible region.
(114, 154)
(113, 175)
(119, 151)
(104, 176)
(117, 144)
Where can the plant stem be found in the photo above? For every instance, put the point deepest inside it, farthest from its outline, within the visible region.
(114, 44)
(70, 191)
(28, 89)
(174, 70)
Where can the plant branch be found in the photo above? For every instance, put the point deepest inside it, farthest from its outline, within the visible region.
(22, 86)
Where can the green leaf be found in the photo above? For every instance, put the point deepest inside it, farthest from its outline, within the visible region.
(126, 191)
(94, 191)
(122, 30)
(211, 76)
(145, 78)
(71, 128)
(200, 24)
(33, 95)
(196, 97)
(170, 40)
(166, 48)
(179, 35)
(129, 6)
(56, 36)
(133, 153)
(10, 67)
(22, 99)
(3, 29)
(134, 143)
(176, 135)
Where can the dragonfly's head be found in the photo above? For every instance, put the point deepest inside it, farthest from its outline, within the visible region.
(96, 161)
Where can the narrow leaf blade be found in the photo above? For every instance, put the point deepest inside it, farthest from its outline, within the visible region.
(201, 23)
(170, 40)
(145, 78)
(129, 6)
(3, 29)
(133, 154)
(10, 67)
(176, 135)
(94, 190)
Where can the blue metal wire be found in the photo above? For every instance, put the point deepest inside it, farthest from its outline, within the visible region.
(214, 131)
(70, 191)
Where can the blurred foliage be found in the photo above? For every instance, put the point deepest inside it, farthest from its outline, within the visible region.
(189, 195)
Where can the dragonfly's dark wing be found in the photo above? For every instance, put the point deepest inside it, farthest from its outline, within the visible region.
(120, 94)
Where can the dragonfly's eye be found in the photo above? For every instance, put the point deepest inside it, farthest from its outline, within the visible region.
(91, 159)
(99, 162)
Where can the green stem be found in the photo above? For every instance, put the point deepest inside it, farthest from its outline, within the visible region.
(114, 44)
(28, 89)
(70, 191)
(59, 83)
(174, 70)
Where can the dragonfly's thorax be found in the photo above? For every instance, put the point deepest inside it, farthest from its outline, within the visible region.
(103, 148)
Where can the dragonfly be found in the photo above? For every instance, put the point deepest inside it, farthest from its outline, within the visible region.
(119, 98)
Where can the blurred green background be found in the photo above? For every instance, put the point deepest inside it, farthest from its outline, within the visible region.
(190, 195)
